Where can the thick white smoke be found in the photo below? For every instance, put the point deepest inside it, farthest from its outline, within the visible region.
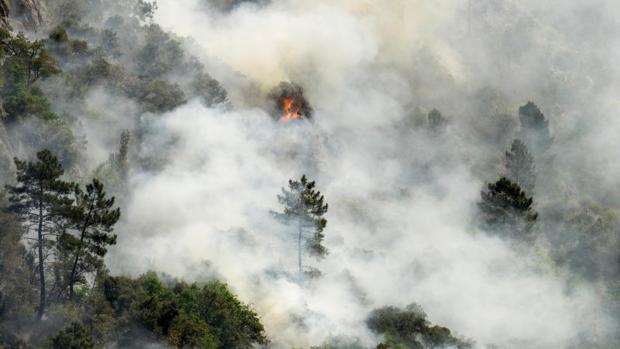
(401, 201)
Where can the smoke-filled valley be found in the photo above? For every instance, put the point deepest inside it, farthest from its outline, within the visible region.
(309, 174)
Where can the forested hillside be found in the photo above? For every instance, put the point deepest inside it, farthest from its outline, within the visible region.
(309, 174)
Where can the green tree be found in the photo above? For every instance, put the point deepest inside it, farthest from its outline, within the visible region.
(520, 166)
(156, 96)
(39, 199)
(235, 324)
(93, 218)
(304, 208)
(189, 331)
(409, 328)
(120, 160)
(73, 336)
(505, 208)
(113, 173)
(209, 89)
(203, 316)
(160, 55)
(25, 58)
(534, 130)
(23, 63)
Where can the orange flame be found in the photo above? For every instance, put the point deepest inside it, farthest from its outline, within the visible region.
(290, 109)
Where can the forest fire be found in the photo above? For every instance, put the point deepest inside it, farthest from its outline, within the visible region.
(290, 109)
(289, 102)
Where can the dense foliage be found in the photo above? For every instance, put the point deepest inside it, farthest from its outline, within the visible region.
(409, 329)
(188, 316)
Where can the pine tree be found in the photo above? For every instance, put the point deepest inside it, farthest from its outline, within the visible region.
(506, 209)
(436, 121)
(304, 208)
(534, 128)
(27, 59)
(520, 166)
(120, 160)
(39, 198)
(92, 218)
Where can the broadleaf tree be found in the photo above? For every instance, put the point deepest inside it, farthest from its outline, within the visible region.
(39, 199)
(303, 210)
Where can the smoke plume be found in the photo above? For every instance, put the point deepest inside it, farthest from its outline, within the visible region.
(402, 199)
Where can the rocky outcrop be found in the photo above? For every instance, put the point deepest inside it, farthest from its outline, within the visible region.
(23, 14)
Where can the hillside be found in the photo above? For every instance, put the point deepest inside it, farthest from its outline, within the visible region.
(309, 174)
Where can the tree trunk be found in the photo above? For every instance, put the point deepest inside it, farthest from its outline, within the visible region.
(42, 299)
(74, 268)
(77, 253)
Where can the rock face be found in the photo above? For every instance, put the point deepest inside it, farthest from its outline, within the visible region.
(24, 14)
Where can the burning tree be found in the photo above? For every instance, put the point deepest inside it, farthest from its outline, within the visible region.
(304, 208)
(290, 103)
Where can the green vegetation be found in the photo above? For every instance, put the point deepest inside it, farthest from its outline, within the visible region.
(409, 329)
(76, 226)
(74, 336)
(505, 208)
(92, 218)
(39, 199)
(201, 316)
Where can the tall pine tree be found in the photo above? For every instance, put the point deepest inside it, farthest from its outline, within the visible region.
(92, 218)
(304, 208)
(520, 166)
(39, 199)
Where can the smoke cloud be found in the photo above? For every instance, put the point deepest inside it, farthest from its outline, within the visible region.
(402, 198)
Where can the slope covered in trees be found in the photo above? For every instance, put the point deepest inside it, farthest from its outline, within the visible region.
(466, 152)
